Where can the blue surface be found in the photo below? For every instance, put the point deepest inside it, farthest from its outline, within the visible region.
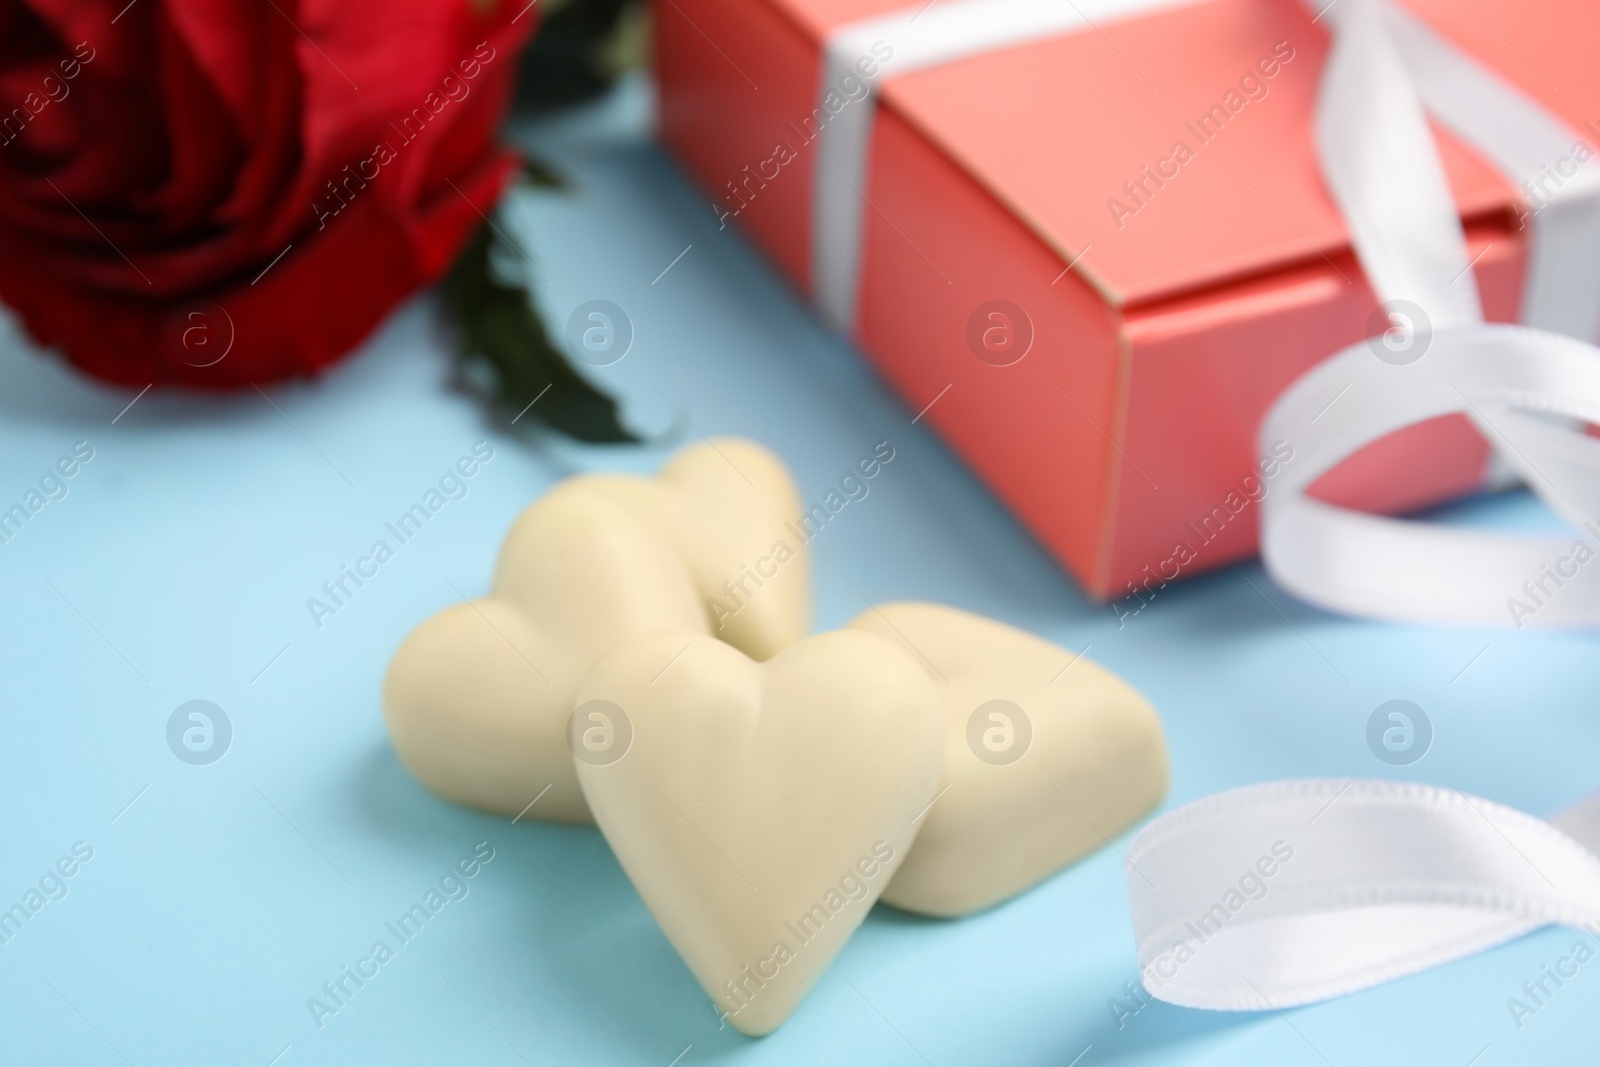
(222, 897)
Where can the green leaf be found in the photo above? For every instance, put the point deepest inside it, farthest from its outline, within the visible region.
(535, 173)
(580, 49)
(499, 330)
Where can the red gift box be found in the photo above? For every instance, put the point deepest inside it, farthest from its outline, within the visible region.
(1092, 260)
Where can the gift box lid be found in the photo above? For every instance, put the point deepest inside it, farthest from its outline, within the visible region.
(1172, 151)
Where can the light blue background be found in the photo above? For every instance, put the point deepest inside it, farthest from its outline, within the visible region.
(224, 896)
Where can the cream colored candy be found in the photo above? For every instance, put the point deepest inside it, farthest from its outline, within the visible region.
(1030, 792)
(477, 698)
(727, 504)
(758, 808)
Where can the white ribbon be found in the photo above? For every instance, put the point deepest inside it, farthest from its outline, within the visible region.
(1292, 892)
(1526, 390)
(1387, 879)
(1367, 564)
(923, 36)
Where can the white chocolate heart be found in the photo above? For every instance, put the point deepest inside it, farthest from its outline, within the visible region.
(477, 698)
(728, 505)
(758, 808)
(1025, 792)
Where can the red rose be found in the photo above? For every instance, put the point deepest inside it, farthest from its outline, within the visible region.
(181, 179)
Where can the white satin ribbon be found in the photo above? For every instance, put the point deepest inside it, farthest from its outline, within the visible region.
(1562, 289)
(922, 36)
(1526, 390)
(1292, 892)
(1366, 564)
(1528, 393)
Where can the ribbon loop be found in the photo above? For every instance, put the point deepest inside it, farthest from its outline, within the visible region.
(1496, 375)
(1291, 892)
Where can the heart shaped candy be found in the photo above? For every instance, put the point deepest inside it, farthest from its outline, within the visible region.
(477, 698)
(758, 808)
(729, 505)
(1047, 757)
